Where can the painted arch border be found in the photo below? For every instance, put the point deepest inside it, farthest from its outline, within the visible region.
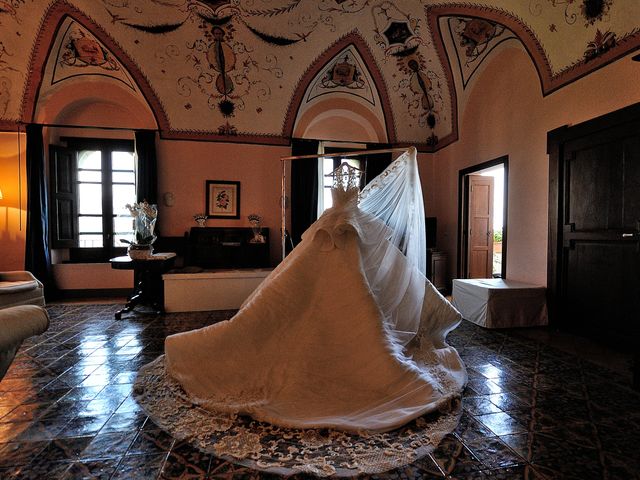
(549, 83)
(49, 27)
(61, 9)
(357, 41)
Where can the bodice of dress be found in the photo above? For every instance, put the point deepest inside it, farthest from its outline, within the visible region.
(343, 197)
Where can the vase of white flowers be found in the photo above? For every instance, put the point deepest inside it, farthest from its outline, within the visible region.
(201, 219)
(256, 220)
(144, 222)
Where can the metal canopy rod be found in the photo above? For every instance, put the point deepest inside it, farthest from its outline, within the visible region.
(352, 153)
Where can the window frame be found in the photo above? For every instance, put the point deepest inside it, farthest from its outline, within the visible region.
(79, 254)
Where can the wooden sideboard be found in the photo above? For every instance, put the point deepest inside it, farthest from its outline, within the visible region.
(226, 247)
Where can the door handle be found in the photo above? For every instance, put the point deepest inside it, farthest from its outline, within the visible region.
(628, 235)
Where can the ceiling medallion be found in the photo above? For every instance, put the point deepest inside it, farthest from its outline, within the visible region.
(398, 33)
(595, 10)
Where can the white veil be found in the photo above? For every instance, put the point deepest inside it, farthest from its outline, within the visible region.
(396, 271)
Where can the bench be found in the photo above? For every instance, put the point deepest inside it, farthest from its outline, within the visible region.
(222, 266)
(498, 303)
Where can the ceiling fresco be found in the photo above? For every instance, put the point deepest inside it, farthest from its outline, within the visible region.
(239, 70)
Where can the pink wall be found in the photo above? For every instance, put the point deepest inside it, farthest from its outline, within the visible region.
(507, 115)
(183, 168)
(13, 206)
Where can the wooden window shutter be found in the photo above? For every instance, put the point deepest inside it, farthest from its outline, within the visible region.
(64, 199)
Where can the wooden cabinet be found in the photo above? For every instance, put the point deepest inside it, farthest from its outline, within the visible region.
(226, 247)
(437, 269)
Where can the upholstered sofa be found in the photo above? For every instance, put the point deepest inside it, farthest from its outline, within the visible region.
(20, 288)
(16, 325)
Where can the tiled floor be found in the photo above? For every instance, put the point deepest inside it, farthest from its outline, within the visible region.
(530, 411)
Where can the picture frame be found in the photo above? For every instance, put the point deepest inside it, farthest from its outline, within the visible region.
(222, 199)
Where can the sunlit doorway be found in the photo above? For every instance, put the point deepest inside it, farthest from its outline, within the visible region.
(483, 214)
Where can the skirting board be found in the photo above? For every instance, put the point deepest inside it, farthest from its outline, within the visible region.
(205, 291)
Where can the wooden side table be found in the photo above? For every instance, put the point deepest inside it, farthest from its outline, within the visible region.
(147, 280)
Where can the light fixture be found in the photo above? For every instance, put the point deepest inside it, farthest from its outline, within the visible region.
(1, 194)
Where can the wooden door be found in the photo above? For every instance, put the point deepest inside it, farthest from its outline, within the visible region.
(595, 245)
(480, 245)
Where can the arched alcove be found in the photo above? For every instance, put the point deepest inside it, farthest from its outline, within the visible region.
(342, 119)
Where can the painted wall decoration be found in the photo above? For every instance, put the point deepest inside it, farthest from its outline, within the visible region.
(78, 52)
(233, 70)
(346, 73)
(473, 40)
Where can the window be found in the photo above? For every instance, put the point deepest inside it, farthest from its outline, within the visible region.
(92, 181)
(326, 165)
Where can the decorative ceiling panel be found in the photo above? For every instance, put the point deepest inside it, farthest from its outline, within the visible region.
(76, 52)
(235, 70)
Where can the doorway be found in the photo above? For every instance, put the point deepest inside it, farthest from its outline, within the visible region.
(482, 232)
(594, 219)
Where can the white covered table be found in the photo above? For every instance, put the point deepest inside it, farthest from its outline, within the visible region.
(498, 303)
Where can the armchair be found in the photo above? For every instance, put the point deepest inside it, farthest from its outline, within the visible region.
(20, 288)
(16, 325)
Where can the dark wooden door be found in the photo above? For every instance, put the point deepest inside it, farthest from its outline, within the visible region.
(594, 255)
(480, 226)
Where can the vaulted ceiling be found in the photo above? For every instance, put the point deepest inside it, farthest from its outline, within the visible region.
(242, 70)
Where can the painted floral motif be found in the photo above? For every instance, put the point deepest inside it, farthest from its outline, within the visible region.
(225, 71)
(10, 8)
(600, 44)
(591, 11)
(343, 73)
(476, 34)
(82, 50)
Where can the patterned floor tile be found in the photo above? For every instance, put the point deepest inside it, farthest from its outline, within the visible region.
(530, 411)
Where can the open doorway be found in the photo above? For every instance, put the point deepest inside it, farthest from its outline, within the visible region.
(482, 233)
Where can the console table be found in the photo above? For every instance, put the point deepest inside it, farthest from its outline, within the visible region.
(147, 280)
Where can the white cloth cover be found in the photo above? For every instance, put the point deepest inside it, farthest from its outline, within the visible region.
(345, 333)
(498, 303)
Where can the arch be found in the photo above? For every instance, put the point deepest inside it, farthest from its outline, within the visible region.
(548, 82)
(356, 110)
(75, 95)
(40, 53)
(355, 39)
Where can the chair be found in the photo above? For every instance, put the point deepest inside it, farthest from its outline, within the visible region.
(17, 324)
(20, 288)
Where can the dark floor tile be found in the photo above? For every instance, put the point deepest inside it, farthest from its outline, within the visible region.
(127, 421)
(493, 453)
(501, 423)
(108, 445)
(140, 467)
(469, 428)
(85, 425)
(185, 461)
(454, 458)
(522, 472)
(41, 469)
(150, 442)
(91, 469)
(63, 449)
(20, 453)
(479, 405)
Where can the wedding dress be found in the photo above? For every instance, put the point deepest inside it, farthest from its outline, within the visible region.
(346, 333)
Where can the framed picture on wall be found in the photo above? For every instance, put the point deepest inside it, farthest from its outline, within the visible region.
(223, 199)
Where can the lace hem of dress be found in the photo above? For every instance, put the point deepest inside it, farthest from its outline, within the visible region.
(266, 447)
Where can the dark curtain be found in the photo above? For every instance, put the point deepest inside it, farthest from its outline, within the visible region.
(147, 181)
(38, 254)
(304, 188)
(377, 162)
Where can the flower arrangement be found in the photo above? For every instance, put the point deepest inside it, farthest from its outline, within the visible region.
(255, 220)
(144, 223)
(200, 219)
